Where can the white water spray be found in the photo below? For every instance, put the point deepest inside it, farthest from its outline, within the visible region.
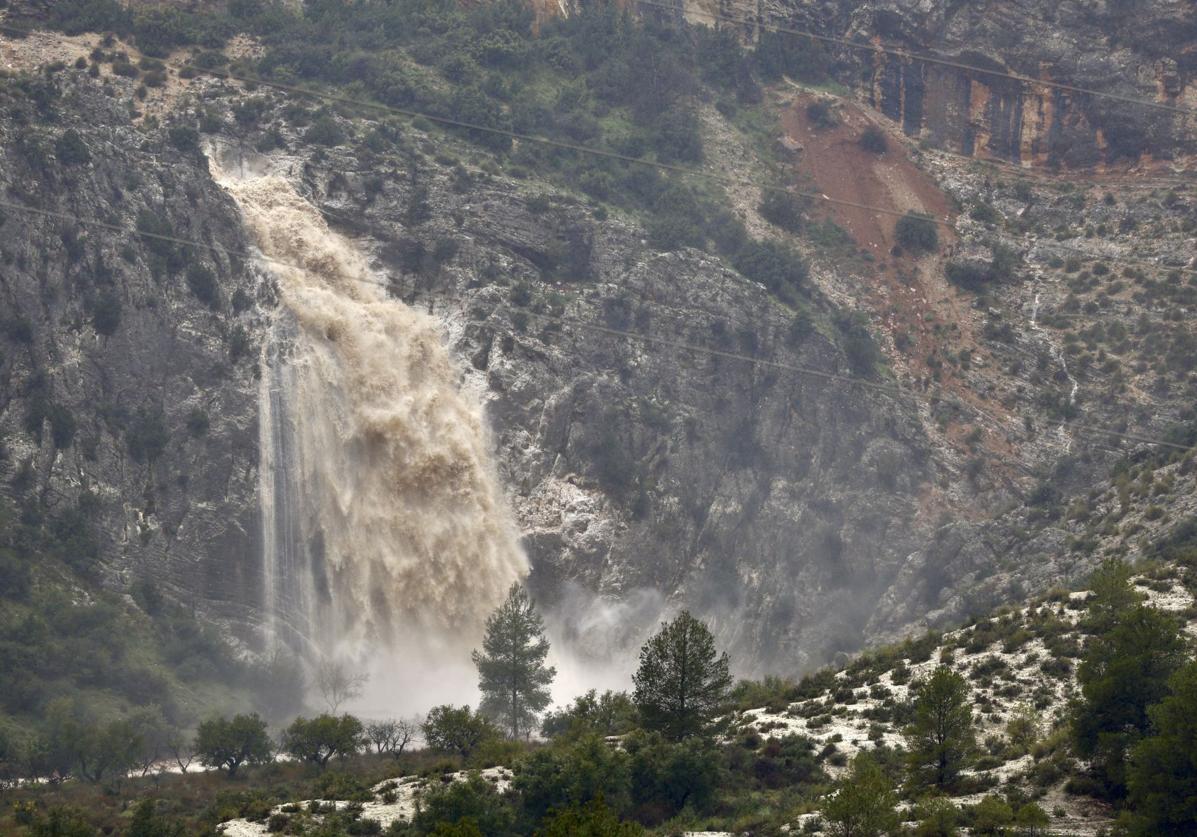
(386, 536)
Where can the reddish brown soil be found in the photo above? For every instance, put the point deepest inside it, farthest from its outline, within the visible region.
(833, 160)
(909, 295)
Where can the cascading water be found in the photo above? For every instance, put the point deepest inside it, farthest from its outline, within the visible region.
(386, 536)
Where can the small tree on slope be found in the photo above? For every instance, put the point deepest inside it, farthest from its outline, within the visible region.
(682, 682)
(512, 674)
(940, 737)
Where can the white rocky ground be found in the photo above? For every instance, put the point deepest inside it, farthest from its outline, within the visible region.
(1013, 665)
(394, 799)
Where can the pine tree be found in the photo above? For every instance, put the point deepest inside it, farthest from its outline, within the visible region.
(512, 674)
(940, 737)
(1123, 672)
(863, 805)
(682, 683)
(1162, 777)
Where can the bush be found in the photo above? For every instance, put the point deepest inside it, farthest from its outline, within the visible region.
(917, 233)
(873, 140)
(458, 730)
(106, 315)
(324, 131)
(821, 114)
(774, 265)
(782, 209)
(147, 435)
(202, 282)
(184, 138)
(70, 149)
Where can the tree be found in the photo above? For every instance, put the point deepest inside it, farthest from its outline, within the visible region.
(456, 730)
(147, 822)
(872, 140)
(940, 738)
(682, 682)
(586, 770)
(473, 801)
(863, 804)
(227, 744)
(337, 684)
(323, 737)
(181, 747)
(917, 233)
(594, 819)
(1123, 672)
(512, 674)
(392, 737)
(611, 713)
(1162, 777)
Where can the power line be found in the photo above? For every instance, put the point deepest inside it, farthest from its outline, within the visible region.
(928, 59)
(818, 197)
(613, 332)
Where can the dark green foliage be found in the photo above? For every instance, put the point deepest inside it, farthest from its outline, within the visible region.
(184, 137)
(668, 776)
(74, 17)
(863, 805)
(473, 801)
(157, 236)
(1162, 777)
(677, 136)
(1178, 546)
(917, 233)
(106, 314)
(774, 265)
(682, 681)
(70, 149)
(471, 106)
(781, 53)
(201, 281)
(593, 819)
(147, 822)
(62, 822)
(147, 435)
(783, 209)
(452, 729)
(324, 131)
(857, 341)
(976, 277)
(320, 739)
(227, 744)
(587, 770)
(940, 738)
(611, 713)
(821, 114)
(198, 422)
(512, 674)
(1125, 670)
(873, 140)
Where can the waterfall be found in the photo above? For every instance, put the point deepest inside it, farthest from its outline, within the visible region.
(385, 530)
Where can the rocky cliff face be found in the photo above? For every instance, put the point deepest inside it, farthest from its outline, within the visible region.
(775, 501)
(128, 405)
(649, 462)
(1139, 50)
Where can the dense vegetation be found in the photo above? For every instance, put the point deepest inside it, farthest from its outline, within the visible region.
(689, 762)
(631, 88)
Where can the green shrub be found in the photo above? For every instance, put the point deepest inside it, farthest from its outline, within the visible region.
(917, 233)
(873, 140)
(782, 209)
(202, 282)
(70, 149)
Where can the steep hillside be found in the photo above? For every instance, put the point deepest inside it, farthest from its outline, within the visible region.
(703, 391)
(964, 99)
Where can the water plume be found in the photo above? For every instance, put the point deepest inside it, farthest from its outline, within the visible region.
(386, 535)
